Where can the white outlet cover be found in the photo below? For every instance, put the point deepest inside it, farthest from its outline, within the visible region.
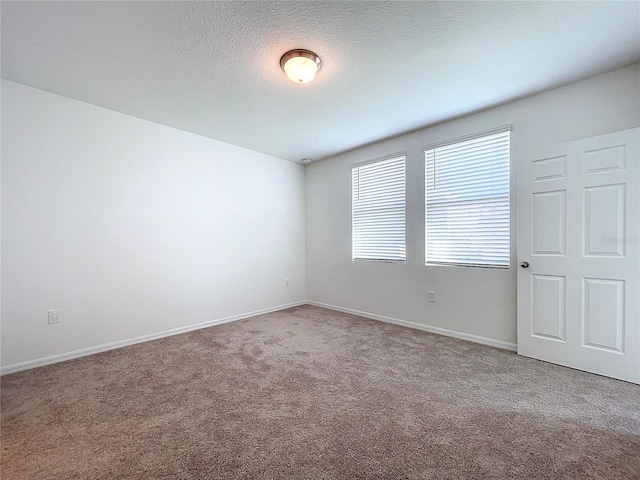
(53, 316)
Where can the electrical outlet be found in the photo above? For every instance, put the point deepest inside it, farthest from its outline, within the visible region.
(286, 282)
(54, 316)
(431, 296)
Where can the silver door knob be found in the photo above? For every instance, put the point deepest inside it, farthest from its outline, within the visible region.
(524, 264)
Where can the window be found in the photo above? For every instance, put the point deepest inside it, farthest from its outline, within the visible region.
(467, 201)
(378, 210)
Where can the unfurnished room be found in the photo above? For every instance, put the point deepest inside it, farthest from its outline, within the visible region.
(320, 240)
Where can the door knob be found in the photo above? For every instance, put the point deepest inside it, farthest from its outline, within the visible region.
(524, 264)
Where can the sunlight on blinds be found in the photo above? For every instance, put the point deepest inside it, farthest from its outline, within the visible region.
(378, 208)
(467, 202)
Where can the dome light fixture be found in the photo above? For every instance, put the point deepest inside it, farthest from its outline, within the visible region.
(306, 161)
(300, 65)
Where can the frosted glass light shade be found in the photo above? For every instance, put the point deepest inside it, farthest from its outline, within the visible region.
(300, 65)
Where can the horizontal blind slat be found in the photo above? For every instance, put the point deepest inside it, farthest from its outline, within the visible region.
(378, 210)
(467, 202)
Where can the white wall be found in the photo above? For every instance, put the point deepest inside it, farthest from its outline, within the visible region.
(477, 302)
(131, 228)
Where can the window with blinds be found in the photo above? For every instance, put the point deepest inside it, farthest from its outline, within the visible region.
(378, 209)
(467, 202)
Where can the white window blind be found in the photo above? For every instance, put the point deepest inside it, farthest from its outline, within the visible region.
(378, 222)
(467, 202)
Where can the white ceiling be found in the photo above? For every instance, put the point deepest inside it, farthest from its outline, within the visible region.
(212, 68)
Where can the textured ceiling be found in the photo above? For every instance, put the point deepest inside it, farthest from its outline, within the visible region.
(387, 67)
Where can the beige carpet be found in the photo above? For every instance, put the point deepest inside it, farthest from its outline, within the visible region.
(311, 393)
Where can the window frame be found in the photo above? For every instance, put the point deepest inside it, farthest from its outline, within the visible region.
(473, 136)
(403, 257)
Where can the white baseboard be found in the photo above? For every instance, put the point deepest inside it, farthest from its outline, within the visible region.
(40, 362)
(419, 326)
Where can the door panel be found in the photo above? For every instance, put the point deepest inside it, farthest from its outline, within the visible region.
(578, 228)
(549, 223)
(605, 159)
(604, 208)
(548, 312)
(603, 314)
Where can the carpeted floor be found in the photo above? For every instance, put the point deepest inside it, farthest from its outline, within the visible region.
(311, 393)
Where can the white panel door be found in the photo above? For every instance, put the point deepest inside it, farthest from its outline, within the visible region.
(579, 255)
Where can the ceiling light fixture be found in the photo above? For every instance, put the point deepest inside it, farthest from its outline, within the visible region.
(300, 65)
(306, 161)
